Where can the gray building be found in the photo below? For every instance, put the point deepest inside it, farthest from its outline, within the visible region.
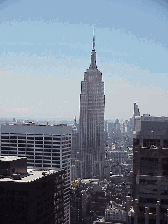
(150, 169)
(91, 122)
(44, 146)
(110, 127)
(75, 151)
(136, 112)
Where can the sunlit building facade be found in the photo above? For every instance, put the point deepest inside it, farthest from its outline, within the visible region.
(91, 122)
(44, 146)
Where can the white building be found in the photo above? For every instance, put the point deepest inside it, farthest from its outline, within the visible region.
(136, 112)
(44, 146)
(117, 156)
(114, 214)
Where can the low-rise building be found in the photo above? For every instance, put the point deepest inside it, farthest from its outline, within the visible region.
(115, 215)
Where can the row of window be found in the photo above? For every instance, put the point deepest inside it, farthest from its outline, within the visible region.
(147, 200)
(36, 142)
(150, 159)
(33, 137)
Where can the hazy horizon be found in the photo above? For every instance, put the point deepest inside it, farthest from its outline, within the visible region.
(46, 47)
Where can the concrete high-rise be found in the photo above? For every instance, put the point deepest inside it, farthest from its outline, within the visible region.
(74, 151)
(44, 146)
(136, 112)
(91, 122)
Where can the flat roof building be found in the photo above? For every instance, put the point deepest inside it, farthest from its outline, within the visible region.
(45, 146)
(30, 196)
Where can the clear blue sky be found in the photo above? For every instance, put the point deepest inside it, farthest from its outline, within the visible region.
(45, 48)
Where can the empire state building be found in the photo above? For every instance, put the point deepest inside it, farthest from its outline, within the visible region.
(91, 121)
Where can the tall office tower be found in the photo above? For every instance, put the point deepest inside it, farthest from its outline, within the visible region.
(44, 146)
(74, 150)
(136, 110)
(105, 125)
(75, 141)
(110, 127)
(135, 113)
(91, 122)
(33, 197)
(150, 169)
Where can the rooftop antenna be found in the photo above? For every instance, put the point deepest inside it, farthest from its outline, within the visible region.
(93, 39)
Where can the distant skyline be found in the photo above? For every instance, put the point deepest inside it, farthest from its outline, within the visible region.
(46, 47)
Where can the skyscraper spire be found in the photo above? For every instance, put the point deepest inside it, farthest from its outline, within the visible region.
(93, 55)
(93, 41)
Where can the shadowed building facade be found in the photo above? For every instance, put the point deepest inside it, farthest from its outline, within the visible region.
(30, 196)
(91, 121)
(150, 170)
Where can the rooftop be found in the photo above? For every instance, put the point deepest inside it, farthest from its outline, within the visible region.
(147, 117)
(34, 124)
(10, 158)
(31, 176)
(90, 181)
(31, 128)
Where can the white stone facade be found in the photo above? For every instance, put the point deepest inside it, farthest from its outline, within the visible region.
(115, 215)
